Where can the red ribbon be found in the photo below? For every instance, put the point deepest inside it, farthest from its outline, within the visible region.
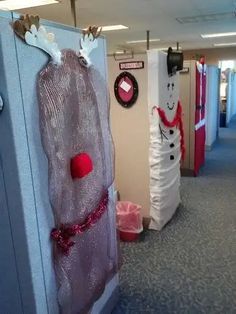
(63, 235)
(177, 121)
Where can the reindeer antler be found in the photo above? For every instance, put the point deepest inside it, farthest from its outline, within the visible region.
(29, 29)
(94, 30)
(24, 24)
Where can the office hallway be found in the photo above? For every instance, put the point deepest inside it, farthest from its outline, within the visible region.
(190, 267)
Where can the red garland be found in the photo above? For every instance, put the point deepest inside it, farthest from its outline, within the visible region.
(62, 236)
(177, 121)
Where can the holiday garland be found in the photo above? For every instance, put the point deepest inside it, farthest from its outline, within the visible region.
(177, 121)
(62, 236)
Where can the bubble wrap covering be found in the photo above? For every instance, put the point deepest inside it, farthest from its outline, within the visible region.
(74, 111)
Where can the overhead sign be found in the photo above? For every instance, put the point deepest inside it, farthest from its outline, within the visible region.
(131, 65)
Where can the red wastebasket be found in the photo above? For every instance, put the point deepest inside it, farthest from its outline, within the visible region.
(129, 220)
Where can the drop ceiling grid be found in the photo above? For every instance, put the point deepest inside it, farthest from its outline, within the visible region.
(157, 16)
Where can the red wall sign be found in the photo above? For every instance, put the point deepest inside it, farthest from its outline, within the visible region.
(132, 65)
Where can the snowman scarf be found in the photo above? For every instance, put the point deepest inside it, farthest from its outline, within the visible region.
(176, 122)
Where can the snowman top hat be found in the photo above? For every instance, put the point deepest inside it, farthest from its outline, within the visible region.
(175, 61)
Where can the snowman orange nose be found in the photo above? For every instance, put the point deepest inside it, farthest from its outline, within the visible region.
(81, 165)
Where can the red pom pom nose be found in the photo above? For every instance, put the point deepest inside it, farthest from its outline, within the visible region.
(81, 165)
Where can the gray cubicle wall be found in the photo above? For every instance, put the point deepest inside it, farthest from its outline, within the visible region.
(212, 105)
(27, 282)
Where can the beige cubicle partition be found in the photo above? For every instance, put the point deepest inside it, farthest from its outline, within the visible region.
(188, 100)
(130, 130)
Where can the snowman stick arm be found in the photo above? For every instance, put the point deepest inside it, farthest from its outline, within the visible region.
(162, 133)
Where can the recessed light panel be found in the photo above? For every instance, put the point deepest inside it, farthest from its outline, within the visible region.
(166, 48)
(141, 41)
(113, 28)
(11, 5)
(224, 44)
(218, 35)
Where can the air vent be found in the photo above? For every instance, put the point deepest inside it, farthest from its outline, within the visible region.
(206, 18)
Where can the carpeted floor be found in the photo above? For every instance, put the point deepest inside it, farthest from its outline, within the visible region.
(190, 267)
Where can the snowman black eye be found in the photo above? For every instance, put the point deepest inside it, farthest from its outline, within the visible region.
(173, 85)
(168, 86)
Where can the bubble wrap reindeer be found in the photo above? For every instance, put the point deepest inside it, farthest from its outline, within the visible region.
(73, 106)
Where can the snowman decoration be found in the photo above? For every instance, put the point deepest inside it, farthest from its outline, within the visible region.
(166, 137)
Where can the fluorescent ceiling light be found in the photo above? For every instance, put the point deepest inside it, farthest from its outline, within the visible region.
(224, 44)
(166, 48)
(113, 28)
(141, 41)
(120, 52)
(218, 35)
(11, 5)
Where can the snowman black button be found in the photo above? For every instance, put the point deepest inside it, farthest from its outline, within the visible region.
(172, 157)
(172, 145)
(171, 132)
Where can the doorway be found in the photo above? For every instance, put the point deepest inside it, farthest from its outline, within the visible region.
(227, 93)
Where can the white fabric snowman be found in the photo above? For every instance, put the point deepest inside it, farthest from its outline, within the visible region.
(165, 147)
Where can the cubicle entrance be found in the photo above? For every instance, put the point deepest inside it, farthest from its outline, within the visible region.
(227, 102)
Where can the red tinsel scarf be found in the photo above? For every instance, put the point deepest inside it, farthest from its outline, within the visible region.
(177, 121)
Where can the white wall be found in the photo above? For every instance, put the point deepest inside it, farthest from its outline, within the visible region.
(212, 105)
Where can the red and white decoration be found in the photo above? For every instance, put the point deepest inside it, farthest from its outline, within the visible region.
(131, 65)
(166, 140)
(200, 121)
